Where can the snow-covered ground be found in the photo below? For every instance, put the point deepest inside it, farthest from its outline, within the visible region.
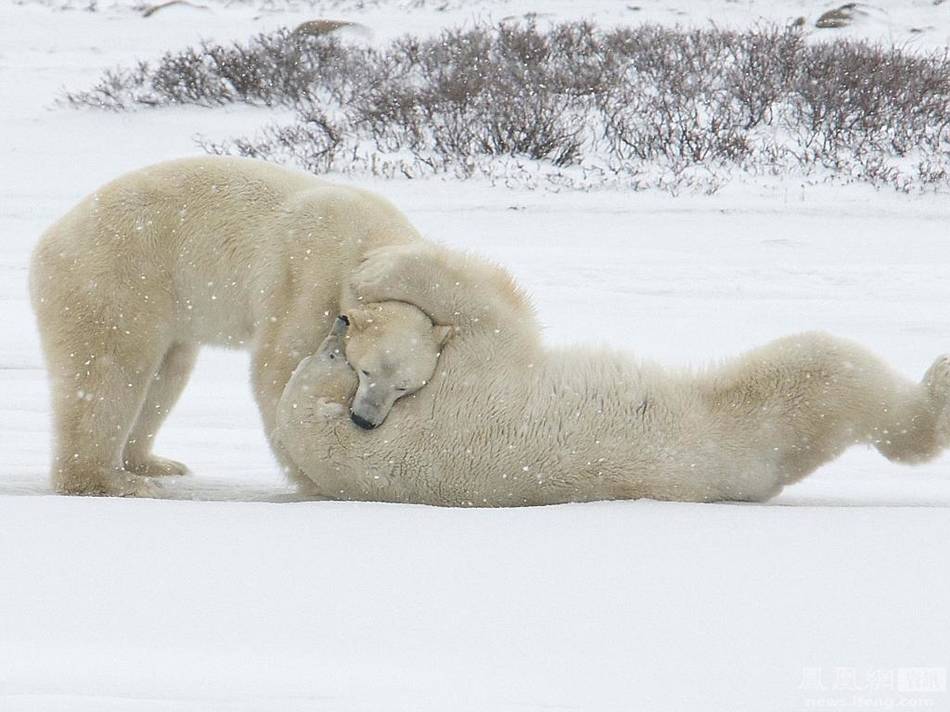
(835, 594)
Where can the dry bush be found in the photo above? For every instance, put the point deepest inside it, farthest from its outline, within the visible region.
(612, 105)
(312, 143)
(279, 68)
(855, 98)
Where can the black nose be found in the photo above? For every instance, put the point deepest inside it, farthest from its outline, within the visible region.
(362, 422)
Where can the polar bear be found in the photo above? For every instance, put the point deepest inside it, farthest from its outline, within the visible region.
(222, 251)
(381, 349)
(506, 422)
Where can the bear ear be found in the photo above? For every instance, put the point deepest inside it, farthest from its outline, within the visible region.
(442, 333)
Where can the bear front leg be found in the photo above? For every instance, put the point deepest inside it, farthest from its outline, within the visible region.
(451, 288)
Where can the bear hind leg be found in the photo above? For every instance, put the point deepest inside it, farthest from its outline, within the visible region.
(919, 428)
(98, 387)
(163, 392)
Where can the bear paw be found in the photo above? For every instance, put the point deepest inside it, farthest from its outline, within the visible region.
(937, 380)
(937, 383)
(113, 483)
(154, 466)
(384, 275)
(132, 485)
(330, 410)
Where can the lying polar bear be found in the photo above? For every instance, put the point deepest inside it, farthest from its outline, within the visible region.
(225, 251)
(506, 422)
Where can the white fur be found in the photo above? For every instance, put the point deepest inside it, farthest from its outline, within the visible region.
(130, 282)
(506, 421)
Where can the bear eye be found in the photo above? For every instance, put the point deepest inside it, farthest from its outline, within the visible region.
(364, 372)
(401, 389)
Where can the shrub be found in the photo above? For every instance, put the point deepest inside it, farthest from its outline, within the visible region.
(572, 103)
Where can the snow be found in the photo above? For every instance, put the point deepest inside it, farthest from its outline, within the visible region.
(360, 607)
(248, 600)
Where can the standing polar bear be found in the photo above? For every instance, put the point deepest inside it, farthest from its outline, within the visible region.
(129, 283)
(506, 422)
